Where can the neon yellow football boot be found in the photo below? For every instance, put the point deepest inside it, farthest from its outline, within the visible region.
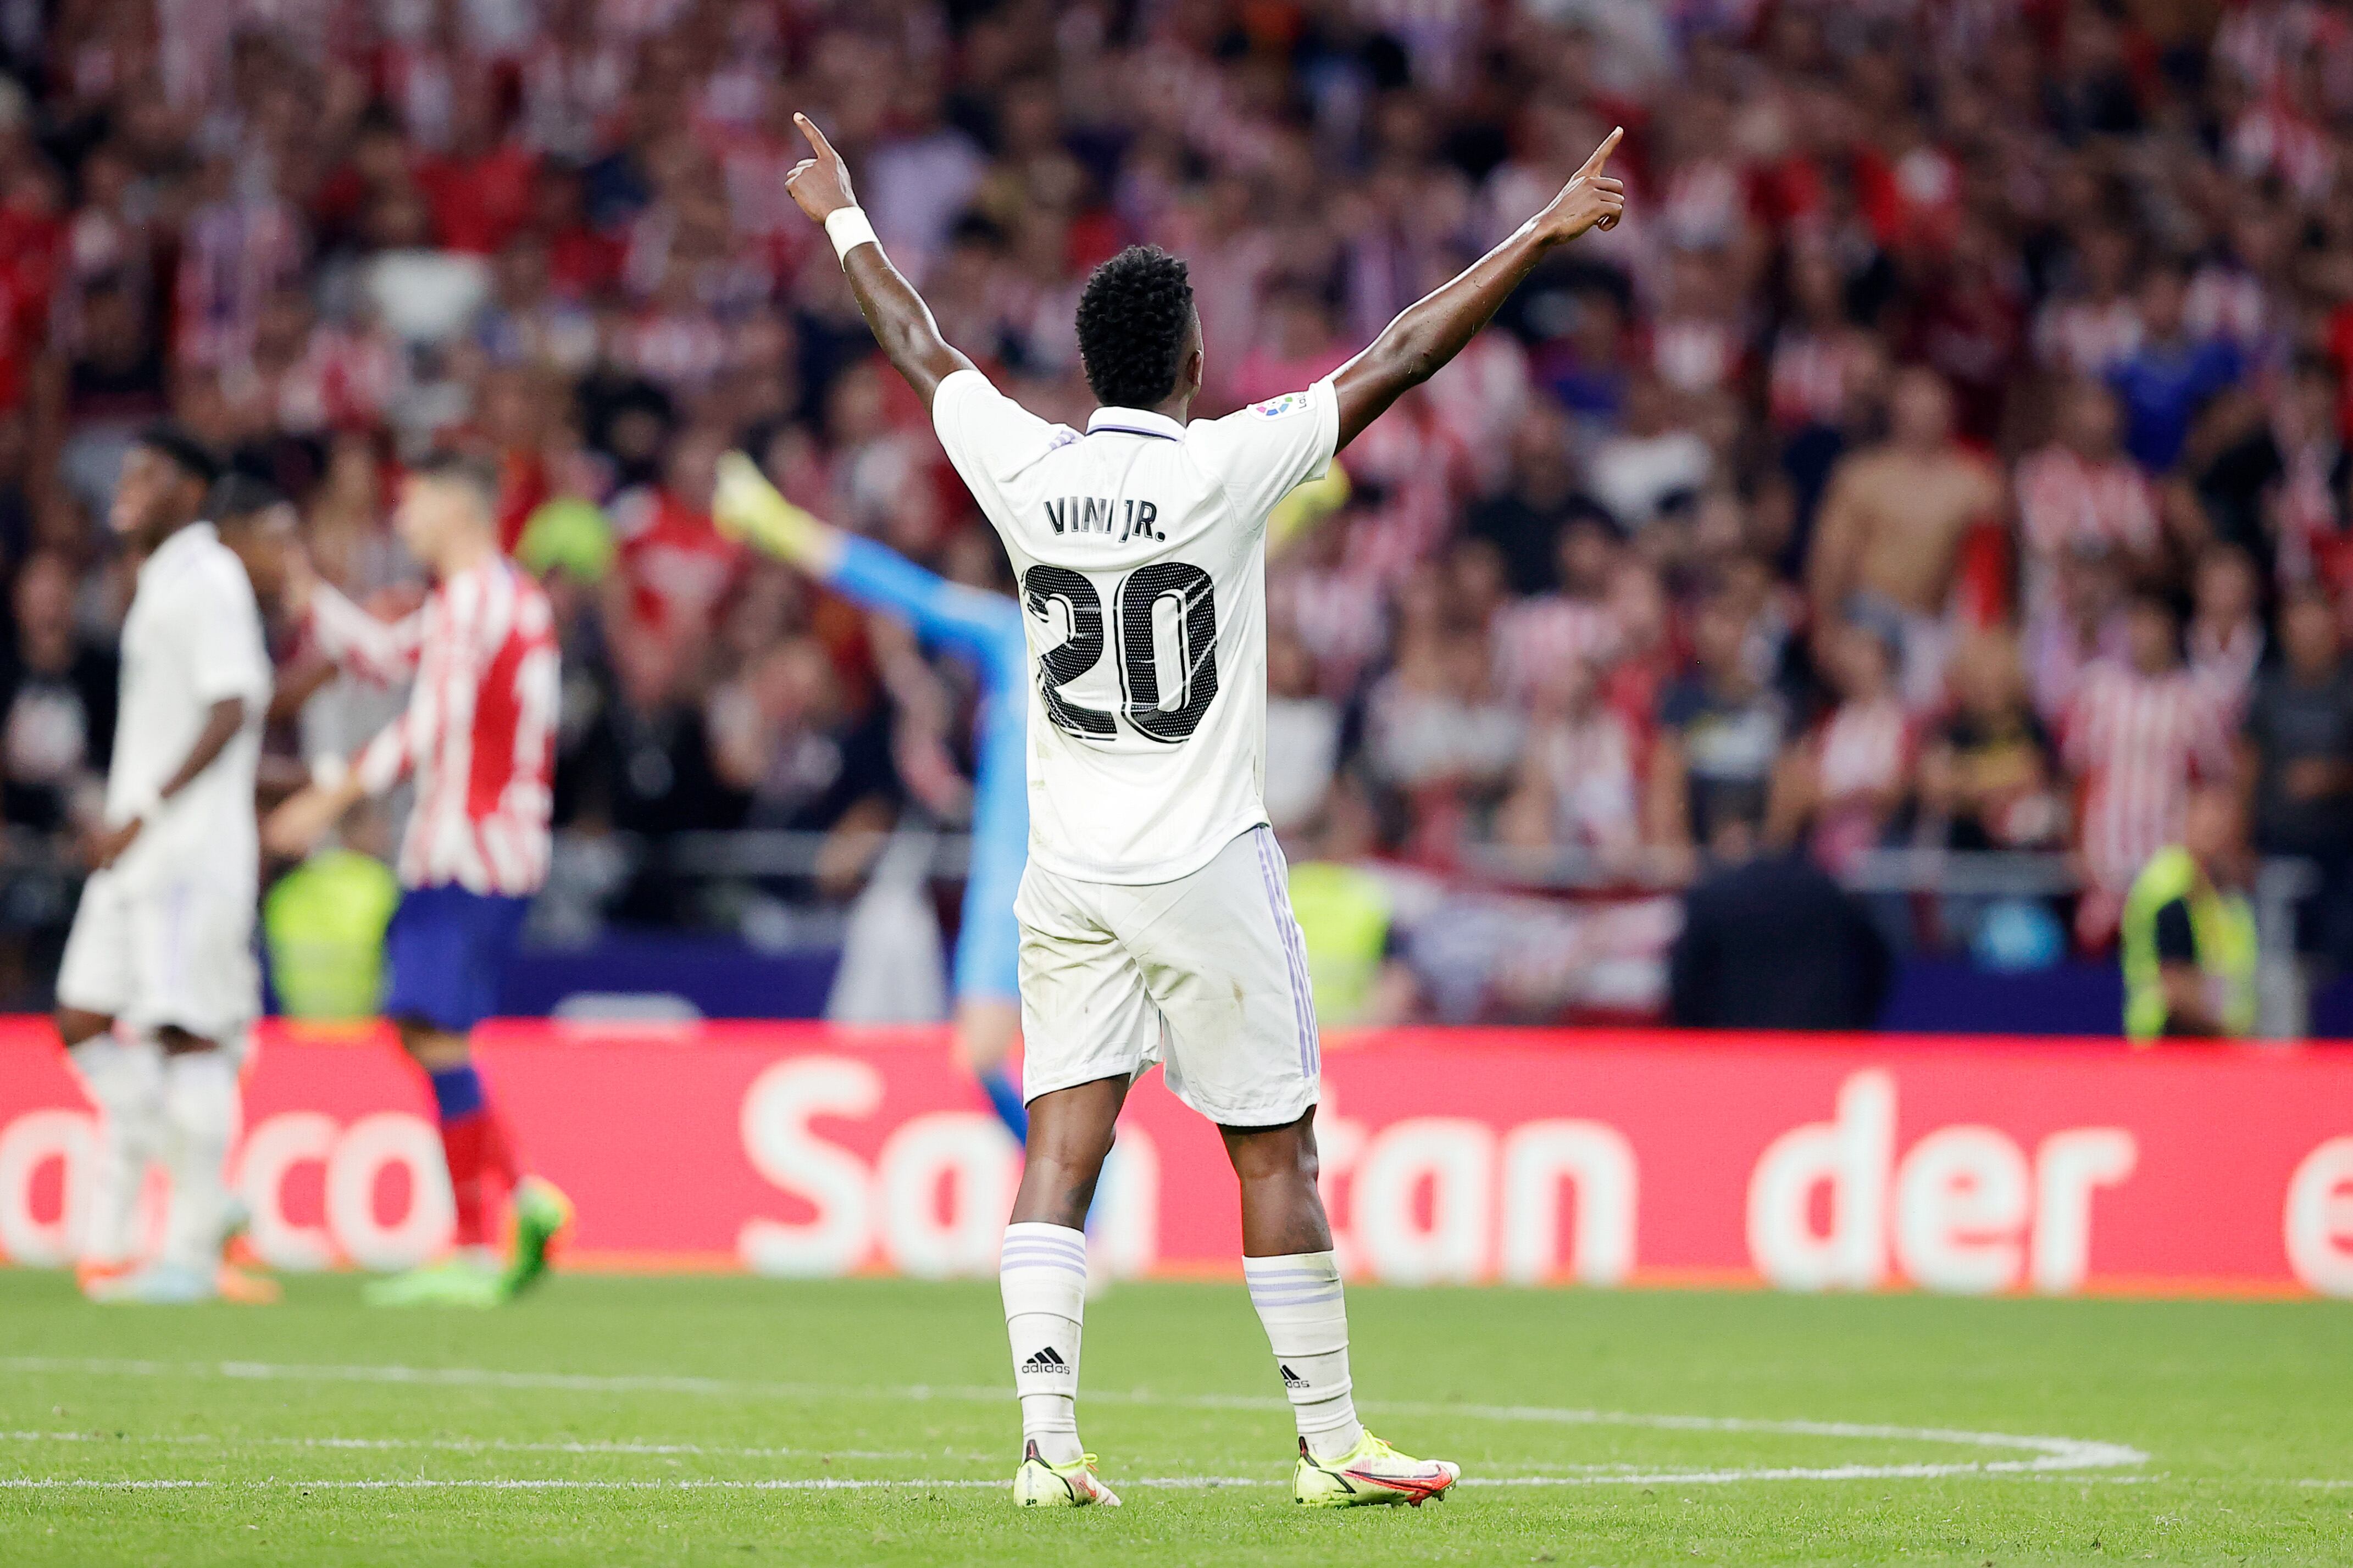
(541, 1215)
(1037, 1484)
(1371, 1472)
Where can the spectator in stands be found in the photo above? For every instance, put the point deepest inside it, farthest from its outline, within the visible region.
(1573, 622)
(1654, 462)
(1348, 913)
(115, 381)
(783, 738)
(2081, 491)
(2188, 938)
(1888, 542)
(677, 566)
(2092, 322)
(1303, 734)
(1990, 776)
(1770, 941)
(650, 752)
(2141, 730)
(1540, 498)
(1790, 380)
(2225, 637)
(2298, 490)
(2297, 753)
(15, 476)
(1720, 735)
(1579, 786)
(1434, 725)
(1851, 778)
(2079, 624)
(57, 706)
(2169, 376)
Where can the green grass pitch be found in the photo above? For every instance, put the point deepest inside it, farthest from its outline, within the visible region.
(613, 1420)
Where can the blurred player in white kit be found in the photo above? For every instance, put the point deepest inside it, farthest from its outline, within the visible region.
(158, 989)
(1155, 914)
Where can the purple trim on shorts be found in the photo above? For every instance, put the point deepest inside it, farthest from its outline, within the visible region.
(1287, 931)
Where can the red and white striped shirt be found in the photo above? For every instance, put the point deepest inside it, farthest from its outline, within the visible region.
(2064, 501)
(1811, 375)
(2088, 336)
(1863, 749)
(1537, 635)
(1590, 763)
(479, 731)
(2139, 740)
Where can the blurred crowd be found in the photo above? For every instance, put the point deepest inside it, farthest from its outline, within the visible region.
(1949, 450)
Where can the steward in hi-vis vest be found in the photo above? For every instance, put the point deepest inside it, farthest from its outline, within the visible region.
(2189, 935)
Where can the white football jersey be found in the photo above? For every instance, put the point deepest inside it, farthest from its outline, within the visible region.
(193, 636)
(1141, 551)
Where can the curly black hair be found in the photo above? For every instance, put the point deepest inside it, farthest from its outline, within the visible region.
(1131, 321)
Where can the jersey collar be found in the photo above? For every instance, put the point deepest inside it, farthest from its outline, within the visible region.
(179, 540)
(1134, 422)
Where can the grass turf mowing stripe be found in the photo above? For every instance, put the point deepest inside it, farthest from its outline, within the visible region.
(919, 1483)
(2051, 1453)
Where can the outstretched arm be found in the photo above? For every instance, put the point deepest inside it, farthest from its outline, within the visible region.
(971, 621)
(385, 652)
(901, 322)
(1432, 329)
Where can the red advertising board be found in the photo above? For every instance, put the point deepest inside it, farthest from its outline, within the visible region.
(1605, 1158)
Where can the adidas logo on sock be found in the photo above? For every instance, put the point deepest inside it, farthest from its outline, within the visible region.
(1291, 1379)
(1047, 1360)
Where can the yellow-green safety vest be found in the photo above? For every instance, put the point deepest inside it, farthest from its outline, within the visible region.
(324, 925)
(1344, 914)
(2223, 926)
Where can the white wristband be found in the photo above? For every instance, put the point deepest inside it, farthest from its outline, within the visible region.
(848, 228)
(329, 770)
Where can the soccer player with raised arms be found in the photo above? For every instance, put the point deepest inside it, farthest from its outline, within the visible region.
(1155, 917)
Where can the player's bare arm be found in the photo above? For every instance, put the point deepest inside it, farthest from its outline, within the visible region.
(1433, 329)
(304, 817)
(296, 686)
(222, 722)
(901, 322)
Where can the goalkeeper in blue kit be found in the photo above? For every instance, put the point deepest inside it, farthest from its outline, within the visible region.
(983, 629)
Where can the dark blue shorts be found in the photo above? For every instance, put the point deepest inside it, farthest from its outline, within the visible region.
(446, 948)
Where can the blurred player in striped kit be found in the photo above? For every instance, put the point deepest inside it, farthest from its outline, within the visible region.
(479, 739)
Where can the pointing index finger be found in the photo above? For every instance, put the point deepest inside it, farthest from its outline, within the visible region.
(816, 137)
(1602, 154)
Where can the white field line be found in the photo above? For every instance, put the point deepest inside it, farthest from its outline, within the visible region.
(2049, 1454)
(959, 1483)
(479, 1446)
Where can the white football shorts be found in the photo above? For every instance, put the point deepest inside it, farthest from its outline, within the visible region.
(1206, 974)
(174, 953)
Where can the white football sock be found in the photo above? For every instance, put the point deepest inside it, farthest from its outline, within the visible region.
(200, 1111)
(1043, 1273)
(125, 1079)
(1299, 1301)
